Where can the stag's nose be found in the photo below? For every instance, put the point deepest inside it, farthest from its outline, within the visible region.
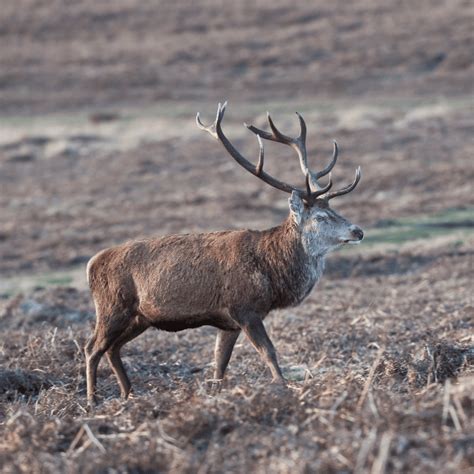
(357, 232)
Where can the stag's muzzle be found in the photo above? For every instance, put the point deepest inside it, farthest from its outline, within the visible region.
(356, 235)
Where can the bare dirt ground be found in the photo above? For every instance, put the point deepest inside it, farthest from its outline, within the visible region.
(98, 145)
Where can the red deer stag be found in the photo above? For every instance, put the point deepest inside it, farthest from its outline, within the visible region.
(230, 280)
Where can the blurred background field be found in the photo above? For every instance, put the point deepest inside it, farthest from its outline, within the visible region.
(98, 145)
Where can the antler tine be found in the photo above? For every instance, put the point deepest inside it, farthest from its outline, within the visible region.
(277, 135)
(261, 156)
(298, 143)
(216, 131)
(314, 195)
(302, 136)
(348, 188)
(330, 166)
(212, 129)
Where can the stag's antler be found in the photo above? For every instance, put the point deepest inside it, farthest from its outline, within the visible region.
(298, 144)
(348, 188)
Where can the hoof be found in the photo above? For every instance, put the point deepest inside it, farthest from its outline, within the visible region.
(215, 385)
(279, 386)
(91, 403)
(279, 382)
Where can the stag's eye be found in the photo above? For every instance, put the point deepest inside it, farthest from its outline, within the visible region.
(321, 217)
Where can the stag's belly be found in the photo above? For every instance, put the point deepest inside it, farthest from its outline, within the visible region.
(171, 320)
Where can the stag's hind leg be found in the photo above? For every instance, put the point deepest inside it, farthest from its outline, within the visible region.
(138, 325)
(108, 329)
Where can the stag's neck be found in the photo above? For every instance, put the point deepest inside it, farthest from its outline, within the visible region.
(292, 270)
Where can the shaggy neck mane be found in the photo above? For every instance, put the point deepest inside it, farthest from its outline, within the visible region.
(291, 271)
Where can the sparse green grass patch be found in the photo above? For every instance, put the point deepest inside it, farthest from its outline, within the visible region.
(393, 231)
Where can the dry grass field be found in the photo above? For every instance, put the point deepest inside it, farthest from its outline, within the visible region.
(98, 145)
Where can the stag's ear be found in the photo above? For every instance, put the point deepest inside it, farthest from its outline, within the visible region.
(296, 207)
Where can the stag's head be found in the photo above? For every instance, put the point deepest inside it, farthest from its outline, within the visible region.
(322, 229)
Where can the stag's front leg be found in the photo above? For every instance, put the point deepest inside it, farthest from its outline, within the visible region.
(255, 331)
(225, 342)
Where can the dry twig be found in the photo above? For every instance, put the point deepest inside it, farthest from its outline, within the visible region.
(370, 378)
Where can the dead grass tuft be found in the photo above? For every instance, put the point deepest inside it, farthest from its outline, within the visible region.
(438, 362)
